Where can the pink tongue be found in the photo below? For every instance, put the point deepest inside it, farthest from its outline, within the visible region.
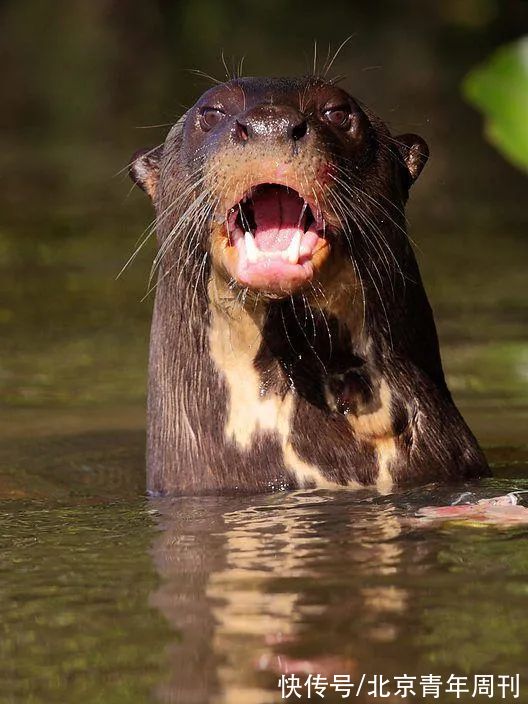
(277, 214)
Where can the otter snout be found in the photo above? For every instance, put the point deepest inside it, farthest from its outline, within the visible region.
(270, 123)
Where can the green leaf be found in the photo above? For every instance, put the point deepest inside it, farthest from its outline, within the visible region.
(499, 88)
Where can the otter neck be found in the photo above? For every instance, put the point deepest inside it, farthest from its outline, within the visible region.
(297, 344)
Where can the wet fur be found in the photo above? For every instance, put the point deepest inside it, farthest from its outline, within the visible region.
(340, 386)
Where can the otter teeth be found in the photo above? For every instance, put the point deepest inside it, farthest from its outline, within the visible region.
(252, 251)
(290, 255)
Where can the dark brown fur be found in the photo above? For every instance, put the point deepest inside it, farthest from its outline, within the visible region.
(354, 365)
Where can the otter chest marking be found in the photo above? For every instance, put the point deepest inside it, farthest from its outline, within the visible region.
(377, 429)
(233, 345)
(248, 410)
(354, 394)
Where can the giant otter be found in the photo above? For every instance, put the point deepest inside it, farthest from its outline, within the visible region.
(292, 341)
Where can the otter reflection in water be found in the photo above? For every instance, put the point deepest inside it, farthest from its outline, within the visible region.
(292, 342)
(246, 587)
(331, 583)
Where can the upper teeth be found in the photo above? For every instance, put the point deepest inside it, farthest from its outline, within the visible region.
(291, 254)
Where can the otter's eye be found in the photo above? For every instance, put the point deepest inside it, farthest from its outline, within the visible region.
(210, 117)
(338, 116)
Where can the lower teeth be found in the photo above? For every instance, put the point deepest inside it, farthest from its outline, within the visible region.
(290, 255)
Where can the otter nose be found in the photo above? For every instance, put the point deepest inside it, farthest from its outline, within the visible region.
(269, 122)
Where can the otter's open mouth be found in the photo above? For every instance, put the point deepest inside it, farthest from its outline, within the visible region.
(278, 237)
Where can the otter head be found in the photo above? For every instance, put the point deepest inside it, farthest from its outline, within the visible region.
(278, 183)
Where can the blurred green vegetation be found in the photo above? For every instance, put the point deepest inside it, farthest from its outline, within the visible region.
(499, 88)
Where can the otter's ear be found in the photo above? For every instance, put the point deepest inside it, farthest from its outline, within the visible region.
(145, 168)
(414, 153)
